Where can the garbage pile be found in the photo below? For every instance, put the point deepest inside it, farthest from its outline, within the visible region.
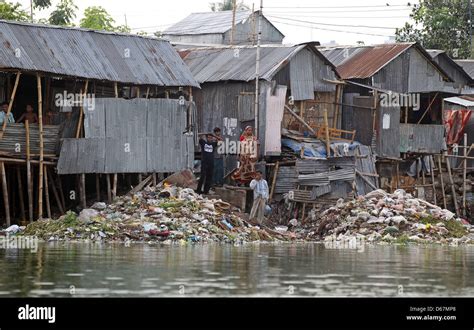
(398, 217)
(164, 215)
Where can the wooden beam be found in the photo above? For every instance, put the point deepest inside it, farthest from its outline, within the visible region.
(109, 192)
(10, 105)
(20, 193)
(275, 175)
(451, 182)
(55, 191)
(83, 190)
(301, 120)
(464, 178)
(433, 178)
(440, 170)
(81, 111)
(46, 192)
(328, 141)
(29, 179)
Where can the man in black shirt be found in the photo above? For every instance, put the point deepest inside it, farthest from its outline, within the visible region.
(208, 146)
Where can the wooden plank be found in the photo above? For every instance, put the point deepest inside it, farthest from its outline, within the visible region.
(46, 193)
(5, 194)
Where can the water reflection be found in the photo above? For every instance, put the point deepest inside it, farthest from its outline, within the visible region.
(65, 270)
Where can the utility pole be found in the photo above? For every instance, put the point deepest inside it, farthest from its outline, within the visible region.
(234, 5)
(257, 68)
(126, 24)
(31, 11)
(470, 27)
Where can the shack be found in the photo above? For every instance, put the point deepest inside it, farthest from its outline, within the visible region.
(106, 103)
(296, 77)
(215, 28)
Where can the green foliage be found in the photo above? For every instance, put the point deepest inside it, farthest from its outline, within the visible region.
(64, 13)
(41, 4)
(97, 18)
(227, 5)
(13, 12)
(439, 24)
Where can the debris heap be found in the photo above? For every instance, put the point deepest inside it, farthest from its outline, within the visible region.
(168, 215)
(397, 217)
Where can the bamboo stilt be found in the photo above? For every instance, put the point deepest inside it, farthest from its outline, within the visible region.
(97, 186)
(29, 181)
(61, 192)
(20, 194)
(433, 179)
(46, 192)
(464, 178)
(114, 187)
(55, 191)
(109, 192)
(83, 190)
(81, 112)
(40, 122)
(328, 141)
(451, 182)
(5, 194)
(442, 181)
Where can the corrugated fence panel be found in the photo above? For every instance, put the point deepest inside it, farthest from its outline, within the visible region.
(301, 75)
(421, 138)
(94, 120)
(274, 115)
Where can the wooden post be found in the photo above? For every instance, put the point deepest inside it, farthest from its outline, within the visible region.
(116, 90)
(464, 178)
(81, 112)
(5, 193)
(55, 191)
(154, 180)
(20, 193)
(10, 105)
(29, 181)
(61, 192)
(147, 92)
(109, 193)
(83, 190)
(336, 106)
(440, 170)
(433, 178)
(451, 182)
(46, 192)
(328, 141)
(97, 186)
(40, 123)
(398, 175)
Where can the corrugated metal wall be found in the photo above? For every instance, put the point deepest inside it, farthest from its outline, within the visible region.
(130, 136)
(275, 110)
(245, 33)
(423, 76)
(421, 138)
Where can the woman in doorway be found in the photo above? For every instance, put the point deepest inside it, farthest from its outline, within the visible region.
(247, 156)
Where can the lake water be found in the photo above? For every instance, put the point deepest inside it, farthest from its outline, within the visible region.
(141, 270)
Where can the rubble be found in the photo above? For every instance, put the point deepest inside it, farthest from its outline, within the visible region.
(398, 217)
(169, 214)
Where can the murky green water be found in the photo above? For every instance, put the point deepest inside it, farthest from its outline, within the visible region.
(62, 270)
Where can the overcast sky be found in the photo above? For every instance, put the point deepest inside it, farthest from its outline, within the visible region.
(370, 21)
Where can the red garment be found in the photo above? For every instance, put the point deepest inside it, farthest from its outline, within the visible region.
(455, 123)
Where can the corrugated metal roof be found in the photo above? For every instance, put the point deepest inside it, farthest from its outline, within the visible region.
(207, 23)
(338, 55)
(91, 54)
(370, 60)
(437, 53)
(212, 64)
(461, 100)
(468, 66)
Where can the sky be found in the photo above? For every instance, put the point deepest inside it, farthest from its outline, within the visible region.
(344, 22)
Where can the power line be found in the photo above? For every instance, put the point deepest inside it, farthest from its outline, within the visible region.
(332, 30)
(328, 24)
(388, 9)
(336, 7)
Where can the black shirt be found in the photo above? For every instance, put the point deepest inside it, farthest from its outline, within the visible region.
(207, 150)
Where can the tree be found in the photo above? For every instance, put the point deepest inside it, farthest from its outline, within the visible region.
(97, 18)
(227, 5)
(64, 13)
(13, 12)
(439, 24)
(41, 4)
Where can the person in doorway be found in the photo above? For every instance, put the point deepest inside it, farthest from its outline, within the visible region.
(3, 113)
(260, 197)
(28, 115)
(218, 177)
(208, 145)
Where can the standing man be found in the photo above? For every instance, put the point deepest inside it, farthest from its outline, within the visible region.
(208, 145)
(218, 177)
(3, 113)
(260, 197)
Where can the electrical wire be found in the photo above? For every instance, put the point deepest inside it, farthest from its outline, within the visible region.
(329, 24)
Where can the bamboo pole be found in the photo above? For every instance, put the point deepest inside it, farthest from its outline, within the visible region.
(114, 186)
(427, 109)
(46, 192)
(97, 186)
(20, 194)
(83, 190)
(336, 106)
(451, 182)
(5, 193)
(109, 193)
(275, 175)
(40, 123)
(328, 141)
(464, 178)
(116, 89)
(29, 180)
(10, 105)
(81, 111)
(442, 181)
(433, 178)
(55, 191)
